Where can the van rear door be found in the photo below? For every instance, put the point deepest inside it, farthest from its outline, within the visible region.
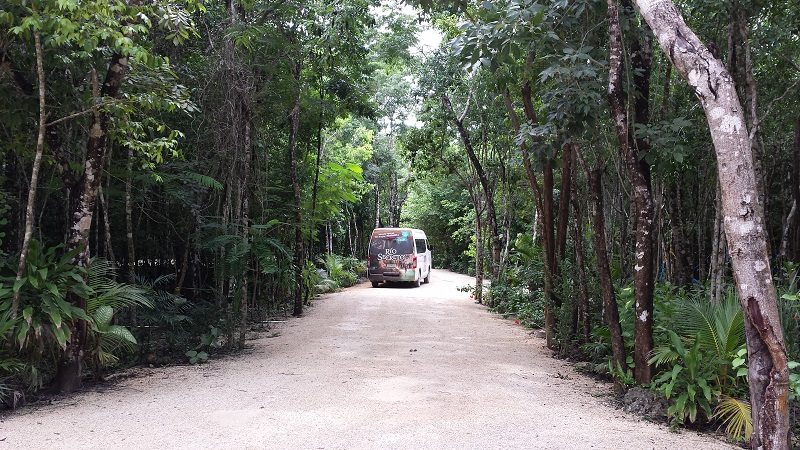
(390, 252)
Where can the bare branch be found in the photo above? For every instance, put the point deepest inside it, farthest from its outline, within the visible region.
(84, 112)
(760, 120)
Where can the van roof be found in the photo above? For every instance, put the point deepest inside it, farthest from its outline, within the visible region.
(416, 231)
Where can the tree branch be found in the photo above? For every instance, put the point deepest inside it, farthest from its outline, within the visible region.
(82, 113)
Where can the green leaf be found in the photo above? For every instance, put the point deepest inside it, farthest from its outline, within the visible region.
(53, 289)
(55, 318)
(22, 333)
(27, 314)
(706, 389)
(103, 315)
(122, 333)
(61, 337)
(680, 405)
(18, 284)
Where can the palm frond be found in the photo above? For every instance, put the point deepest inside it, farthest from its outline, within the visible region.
(106, 291)
(735, 414)
(717, 327)
(663, 355)
(113, 340)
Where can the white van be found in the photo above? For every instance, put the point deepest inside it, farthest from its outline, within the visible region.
(399, 254)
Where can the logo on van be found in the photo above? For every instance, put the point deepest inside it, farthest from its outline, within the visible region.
(390, 254)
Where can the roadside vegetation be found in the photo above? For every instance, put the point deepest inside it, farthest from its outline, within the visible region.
(175, 174)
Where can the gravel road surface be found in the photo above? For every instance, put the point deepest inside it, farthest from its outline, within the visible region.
(388, 368)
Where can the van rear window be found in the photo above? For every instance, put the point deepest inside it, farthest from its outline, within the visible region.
(391, 245)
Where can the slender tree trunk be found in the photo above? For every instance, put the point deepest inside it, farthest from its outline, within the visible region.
(377, 206)
(37, 163)
(129, 219)
(791, 218)
(294, 126)
(530, 114)
(681, 273)
(106, 224)
(247, 167)
(184, 267)
(610, 308)
(394, 210)
(552, 302)
(491, 215)
(349, 231)
(768, 372)
(564, 200)
(790, 246)
(718, 250)
(317, 166)
(638, 172)
(582, 307)
(478, 255)
(544, 203)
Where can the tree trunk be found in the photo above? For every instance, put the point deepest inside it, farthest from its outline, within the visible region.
(791, 218)
(96, 148)
(394, 214)
(564, 200)
(37, 163)
(543, 197)
(639, 173)
(478, 255)
(741, 68)
(530, 114)
(681, 272)
(552, 302)
(491, 215)
(610, 308)
(718, 250)
(106, 224)
(743, 218)
(790, 245)
(377, 206)
(68, 376)
(294, 126)
(582, 307)
(315, 186)
(129, 219)
(245, 217)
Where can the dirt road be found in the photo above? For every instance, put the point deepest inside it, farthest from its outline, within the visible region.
(366, 368)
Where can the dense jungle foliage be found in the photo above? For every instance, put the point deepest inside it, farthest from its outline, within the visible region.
(175, 174)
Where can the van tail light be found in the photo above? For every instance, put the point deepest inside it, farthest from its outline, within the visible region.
(414, 262)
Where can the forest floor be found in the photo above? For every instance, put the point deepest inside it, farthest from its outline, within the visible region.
(365, 368)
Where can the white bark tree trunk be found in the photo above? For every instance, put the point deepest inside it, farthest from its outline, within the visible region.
(37, 163)
(743, 218)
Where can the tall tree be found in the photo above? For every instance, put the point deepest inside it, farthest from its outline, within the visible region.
(743, 218)
(632, 150)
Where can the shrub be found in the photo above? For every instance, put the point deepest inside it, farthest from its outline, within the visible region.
(703, 363)
(46, 315)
